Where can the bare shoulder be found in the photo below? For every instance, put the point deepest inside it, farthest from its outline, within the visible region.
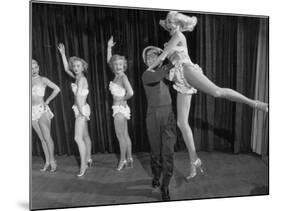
(83, 81)
(124, 77)
(45, 80)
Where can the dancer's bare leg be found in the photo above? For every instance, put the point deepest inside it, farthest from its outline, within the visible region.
(119, 123)
(201, 82)
(129, 156)
(36, 127)
(79, 128)
(128, 140)
(183, 108)
(88, 143)
(45, 126)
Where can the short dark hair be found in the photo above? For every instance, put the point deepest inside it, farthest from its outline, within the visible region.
(33, 60)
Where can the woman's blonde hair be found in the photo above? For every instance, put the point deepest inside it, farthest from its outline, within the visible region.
(186, 23)
(75, 58)
(115, 58)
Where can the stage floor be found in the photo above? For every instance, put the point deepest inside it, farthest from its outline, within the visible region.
(227, 175)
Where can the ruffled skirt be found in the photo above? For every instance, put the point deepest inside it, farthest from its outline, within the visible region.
(39, 110)
(177, 75)
(120, 109)
(86, 111)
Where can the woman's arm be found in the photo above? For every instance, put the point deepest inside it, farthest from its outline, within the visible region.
(110, 44)
(55, 88)
(64, 60)
(128, 87)
(78, 96)
(175, 39)
(150, 77)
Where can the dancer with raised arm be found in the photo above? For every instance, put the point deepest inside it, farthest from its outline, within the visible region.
(75, 68)
(121, 91)
(188, 77)
(42, 114)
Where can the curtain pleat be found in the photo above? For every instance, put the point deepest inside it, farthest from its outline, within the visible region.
(247, 42)
(260, 120)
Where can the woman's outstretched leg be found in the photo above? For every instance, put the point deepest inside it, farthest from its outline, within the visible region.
(119, 123)
(201, 82)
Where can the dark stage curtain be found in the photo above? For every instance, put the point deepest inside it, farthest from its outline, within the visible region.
(224, 46)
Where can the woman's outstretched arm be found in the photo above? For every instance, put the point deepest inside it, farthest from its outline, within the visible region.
(175, 39)
(64, 60)
(151, 77)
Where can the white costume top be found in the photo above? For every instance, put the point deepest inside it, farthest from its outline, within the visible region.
(40, 109)
(84, 92)
(85, 108)
(119, 91)
(116, 89)
(180, 55)
(38, 90)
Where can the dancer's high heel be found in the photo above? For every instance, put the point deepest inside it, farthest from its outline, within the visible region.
(121, 165)
(193, 168)
(53, 166)
(130, 162)
(90, 163)
(261, 106)
(82, 172)
(45, 168)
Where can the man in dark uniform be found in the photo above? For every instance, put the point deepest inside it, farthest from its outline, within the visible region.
(160, 120)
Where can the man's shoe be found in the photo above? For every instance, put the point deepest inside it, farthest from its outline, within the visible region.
(165, 194)
(155, 183)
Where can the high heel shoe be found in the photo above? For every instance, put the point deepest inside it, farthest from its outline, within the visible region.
(261, 106)
(90, 163)
(82, 172)
(130, 162)
(197, 164)
(45, 168)
(121, 165)
(53, 166)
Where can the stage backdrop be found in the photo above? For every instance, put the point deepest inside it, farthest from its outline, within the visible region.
(224, 46)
